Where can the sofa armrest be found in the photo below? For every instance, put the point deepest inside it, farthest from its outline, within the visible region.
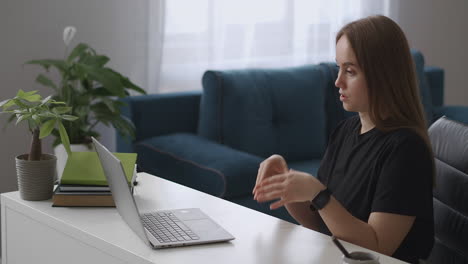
(160, 114)
(435, 79)
(457, 113)
(199, 163)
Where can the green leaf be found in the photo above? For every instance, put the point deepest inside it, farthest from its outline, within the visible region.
(61, 109)
(101, 109)
(47, 128)
(119, 104)
(124, 126)
(96, 61)
(5, 103)
(57, 102)
(109, 103)
(84, 56)
(9, 104)
(23, 117)
(81, 110)
(45, 100)
(22, 93)
(20, 112)
(64, 137)
(127, 83)
(83, 100)
(80, 71)
(20, 103)
(77, 51)
(42, 79)
(31, 96)
(69, 117)
(31, 124)
(100, 91)
(107, 78)
(47, 115)
(59, 64)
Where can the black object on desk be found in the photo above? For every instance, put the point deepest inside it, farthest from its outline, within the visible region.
(341, 247)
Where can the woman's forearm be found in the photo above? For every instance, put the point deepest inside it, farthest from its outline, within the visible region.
(302, 213)
(345, 226)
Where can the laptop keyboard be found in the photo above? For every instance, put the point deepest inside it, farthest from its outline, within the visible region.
(166, 227)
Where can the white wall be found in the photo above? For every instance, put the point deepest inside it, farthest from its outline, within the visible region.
(31, 29)
(439, 29)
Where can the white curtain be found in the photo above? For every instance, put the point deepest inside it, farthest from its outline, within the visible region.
(192, 36)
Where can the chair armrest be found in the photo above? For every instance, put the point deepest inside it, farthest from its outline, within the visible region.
(160, 114)
(199, 163)
(435, 79)
(457, 113)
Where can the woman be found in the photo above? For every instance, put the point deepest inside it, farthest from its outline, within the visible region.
(374, 184)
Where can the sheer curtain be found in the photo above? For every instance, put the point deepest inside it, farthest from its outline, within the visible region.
(191, 37)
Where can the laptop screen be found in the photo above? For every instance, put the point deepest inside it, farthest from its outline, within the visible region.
(123, 198)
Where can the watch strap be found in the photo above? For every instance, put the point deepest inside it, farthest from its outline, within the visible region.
(320, 200)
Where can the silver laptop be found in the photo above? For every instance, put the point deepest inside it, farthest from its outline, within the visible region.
(160, 229)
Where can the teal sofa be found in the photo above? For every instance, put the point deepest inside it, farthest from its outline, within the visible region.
(213, 140)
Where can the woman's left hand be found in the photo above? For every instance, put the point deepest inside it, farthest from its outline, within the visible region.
(293, 186)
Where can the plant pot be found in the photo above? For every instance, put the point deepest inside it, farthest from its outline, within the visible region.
(62, 155)
(36, 177)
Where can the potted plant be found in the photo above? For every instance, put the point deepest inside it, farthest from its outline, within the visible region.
(36, 170)
(92, 89)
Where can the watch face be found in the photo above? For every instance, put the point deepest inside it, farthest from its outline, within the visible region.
(321, 199)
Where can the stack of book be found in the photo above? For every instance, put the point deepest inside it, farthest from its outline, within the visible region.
(83, 182)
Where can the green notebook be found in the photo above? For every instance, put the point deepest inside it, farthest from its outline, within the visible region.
(84, 168)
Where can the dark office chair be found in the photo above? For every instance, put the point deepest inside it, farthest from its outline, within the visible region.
(450, 144)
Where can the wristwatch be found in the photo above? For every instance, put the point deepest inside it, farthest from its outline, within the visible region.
(320, 200)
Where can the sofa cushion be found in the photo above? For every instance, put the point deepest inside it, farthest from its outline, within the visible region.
(148, 112)
(199, 163)
(266, 111)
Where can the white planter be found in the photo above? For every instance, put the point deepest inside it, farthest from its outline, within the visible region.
(62, 155)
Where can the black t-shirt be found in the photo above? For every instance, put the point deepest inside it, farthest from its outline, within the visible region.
(383, 172)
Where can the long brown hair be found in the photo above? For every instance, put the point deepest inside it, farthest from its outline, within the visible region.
(383, 54)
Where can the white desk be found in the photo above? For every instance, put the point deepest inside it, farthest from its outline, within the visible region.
(35, 232)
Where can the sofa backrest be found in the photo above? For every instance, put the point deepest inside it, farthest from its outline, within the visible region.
(288, 111)
(424, 89)
(266, 111)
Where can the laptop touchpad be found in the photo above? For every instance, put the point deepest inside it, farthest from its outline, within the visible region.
(202, 226)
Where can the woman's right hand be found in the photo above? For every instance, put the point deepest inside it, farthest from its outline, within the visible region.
(271, 166)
